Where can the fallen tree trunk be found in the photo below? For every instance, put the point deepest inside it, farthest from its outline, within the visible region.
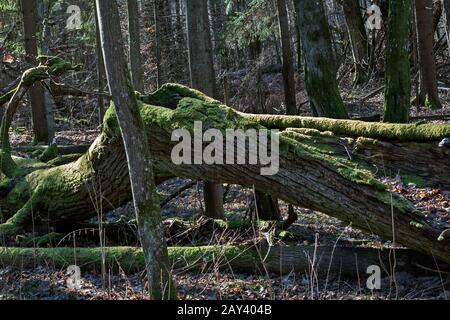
(312, 174)
(351, 262)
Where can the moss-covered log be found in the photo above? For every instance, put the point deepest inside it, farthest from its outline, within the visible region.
(340, 261)
(314, 175)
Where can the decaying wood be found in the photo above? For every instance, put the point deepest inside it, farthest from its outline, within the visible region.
(349, 262)
(313, 174)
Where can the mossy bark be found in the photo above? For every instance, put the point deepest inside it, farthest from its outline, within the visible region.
(335, 262)
(313, 173)
(397, 95)
(428, 91)
(358, 40)
(320, 65)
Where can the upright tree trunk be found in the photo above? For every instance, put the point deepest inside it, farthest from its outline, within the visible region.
(49, 102)
(142, 179)
(158, 41)
(320, 65)
(29, 14)
(137, 74)
(358, 39)
(298, 37)
(288, 61)
(203, 78)
(100, 74)
(266, 206)
(447, 22)
(428, 93)
(397, 94)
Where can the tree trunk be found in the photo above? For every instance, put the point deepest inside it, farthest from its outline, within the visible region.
(314, 173)
(49, 102)
(38, 111)
(203, 78)
(137, 74)
(347, 262)
(288, 61)
(428, 92)
(397, 94)
(158, 12)
(266, 206)
(145, 198)
(320, 65)
(447, 22)
(100, 73)
(358, 40)
(298, 37)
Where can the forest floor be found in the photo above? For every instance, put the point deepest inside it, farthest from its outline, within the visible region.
(46, 282)
(311, 227)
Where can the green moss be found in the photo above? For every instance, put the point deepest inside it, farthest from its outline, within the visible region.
(285, 235)
(50, 153)
(416, 224)
(416, 180)
(64, 159)
(356, 129)
(35, 74)
(398, 202)
(7, 96)
(110, 122)
(432, 103)
(128, 258)
(169, 95)
(260, 225)
(19, 195)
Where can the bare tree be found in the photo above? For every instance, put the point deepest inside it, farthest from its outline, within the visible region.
(320, 65)
(137, 74)
(358, 39)
(447, 21)
(142, 178)
(203, 78)
(288, 61)
(397, 93)
(428, 91)
(29, 14)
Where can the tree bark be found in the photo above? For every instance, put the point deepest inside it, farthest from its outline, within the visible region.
(320, 65)
(158, 38)
(313, 174)
(29, 14)
(100, 73)
(266, 206)
(358, 40)
(447, 22)
(49, 102)
(288, 61)
(397, 94)
(428, 91)
(137, 74)
(340, 261)
(203, 78)
(145, 198)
